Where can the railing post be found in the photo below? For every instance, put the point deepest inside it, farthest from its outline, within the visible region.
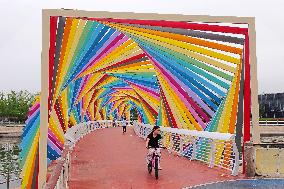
(181, 145)
(193, 155)
(236, 165)
(171, 144)
(212, 153)
(144, 132)
(143, 129)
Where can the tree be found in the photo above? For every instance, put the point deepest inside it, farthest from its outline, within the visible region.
(14, 106)
(9, 165)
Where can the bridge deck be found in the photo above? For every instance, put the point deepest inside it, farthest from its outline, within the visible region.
(108, 159)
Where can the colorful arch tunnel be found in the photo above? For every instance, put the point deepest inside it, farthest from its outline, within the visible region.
(172, 73)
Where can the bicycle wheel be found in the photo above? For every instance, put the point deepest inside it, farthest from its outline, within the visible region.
(150, 168)
(156, 168)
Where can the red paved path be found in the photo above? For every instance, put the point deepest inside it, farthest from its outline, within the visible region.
(107, 159)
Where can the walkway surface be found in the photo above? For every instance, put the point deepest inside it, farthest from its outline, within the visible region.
(245, 184)
(108, 159)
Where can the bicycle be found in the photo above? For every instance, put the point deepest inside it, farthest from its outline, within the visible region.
(154, 163)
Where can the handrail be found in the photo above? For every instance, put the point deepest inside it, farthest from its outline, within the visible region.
(187, 143)
(216, 149)
(60, 175)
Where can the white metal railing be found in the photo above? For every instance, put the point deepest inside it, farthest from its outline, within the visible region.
(72, 136)
(271, 123)
(77, 132)
(213, 148)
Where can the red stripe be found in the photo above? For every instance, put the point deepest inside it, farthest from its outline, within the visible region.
(177, 24)
(173, 121)
(247, 99)
(95, 108)
(53, 26)
(57, 110)
(63, 120)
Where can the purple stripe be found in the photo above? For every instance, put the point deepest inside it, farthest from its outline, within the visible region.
(53, 138)
(54, 142)
(33, 108)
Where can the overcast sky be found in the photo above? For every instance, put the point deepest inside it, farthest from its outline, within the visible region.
(20, 33)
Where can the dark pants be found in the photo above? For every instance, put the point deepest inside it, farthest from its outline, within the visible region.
(124, 129)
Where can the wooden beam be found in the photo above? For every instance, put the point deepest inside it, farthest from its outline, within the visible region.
(44, 101)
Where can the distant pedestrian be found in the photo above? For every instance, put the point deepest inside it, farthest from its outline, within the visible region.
(124, 124)
(114, 122)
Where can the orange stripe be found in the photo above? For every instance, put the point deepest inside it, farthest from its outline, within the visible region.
(67, 29)
(235, 104)
(30, 181)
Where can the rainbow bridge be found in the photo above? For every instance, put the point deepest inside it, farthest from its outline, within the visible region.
(195, 76)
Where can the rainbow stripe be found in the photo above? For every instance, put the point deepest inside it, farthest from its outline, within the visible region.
(176, 74)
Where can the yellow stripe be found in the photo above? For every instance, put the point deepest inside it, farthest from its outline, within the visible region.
(54, 124)
(64, 108)
(178, 108)
(72, 119)
(70, 48)
(27, 171)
